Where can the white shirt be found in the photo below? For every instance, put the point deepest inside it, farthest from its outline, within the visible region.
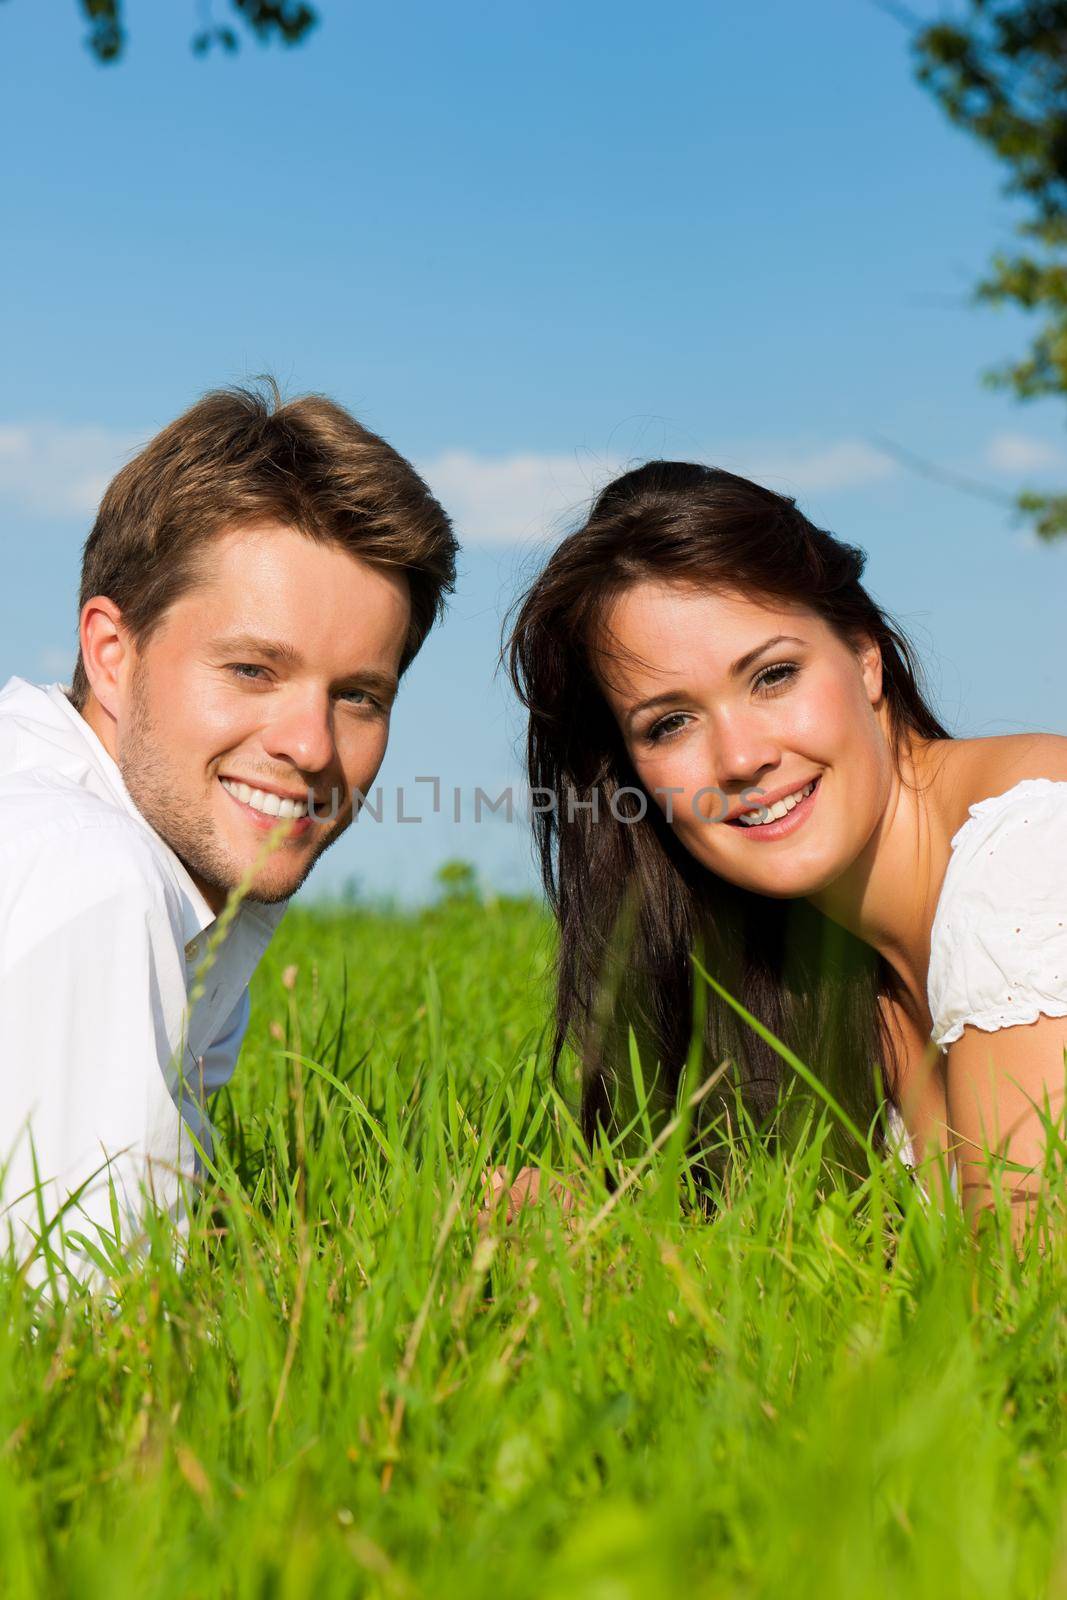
(998, 944)
(103, 1062)
(998, 941)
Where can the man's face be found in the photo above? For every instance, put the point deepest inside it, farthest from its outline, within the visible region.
(272, 677)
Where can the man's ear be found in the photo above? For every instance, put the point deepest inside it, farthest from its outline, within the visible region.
(106, 651)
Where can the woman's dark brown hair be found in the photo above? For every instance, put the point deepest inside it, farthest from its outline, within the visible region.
(632, 905)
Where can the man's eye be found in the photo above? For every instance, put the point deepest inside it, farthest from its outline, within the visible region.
(242, 669)
(356, 697)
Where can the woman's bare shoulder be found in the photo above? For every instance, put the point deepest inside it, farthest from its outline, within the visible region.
(994, 765)
(969, 770)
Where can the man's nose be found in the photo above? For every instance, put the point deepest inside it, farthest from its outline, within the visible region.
(301, 732)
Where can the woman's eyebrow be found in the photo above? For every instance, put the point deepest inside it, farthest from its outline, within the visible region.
(672, 697)
(676, 696)
(744, 662)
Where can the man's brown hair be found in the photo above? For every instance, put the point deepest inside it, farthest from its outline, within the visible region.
(239, 457)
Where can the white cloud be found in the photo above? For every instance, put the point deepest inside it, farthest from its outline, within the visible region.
(847, 464)
(504, 498)
(53, 470)
(495, 500)
(50, 470)
(1015, 452)
(57, 662)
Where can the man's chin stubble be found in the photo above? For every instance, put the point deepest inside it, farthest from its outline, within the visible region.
(149, 784)
(270, 898)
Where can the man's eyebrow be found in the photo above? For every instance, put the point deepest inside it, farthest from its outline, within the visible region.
(385, 684)
(248, 644)
(675, 697)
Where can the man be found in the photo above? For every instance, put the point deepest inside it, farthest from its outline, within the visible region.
(256, 583)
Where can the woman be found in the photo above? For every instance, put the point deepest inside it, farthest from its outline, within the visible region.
(742, 764)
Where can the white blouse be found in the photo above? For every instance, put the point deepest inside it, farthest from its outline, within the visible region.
(998, 942)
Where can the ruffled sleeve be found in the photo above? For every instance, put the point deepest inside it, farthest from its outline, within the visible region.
(998, 945)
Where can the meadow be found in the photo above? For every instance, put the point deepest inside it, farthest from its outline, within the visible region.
(351, 1387)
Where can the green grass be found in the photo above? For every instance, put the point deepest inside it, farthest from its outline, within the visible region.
(351, 1389)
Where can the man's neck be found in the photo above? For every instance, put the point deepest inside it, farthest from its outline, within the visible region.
(102, 723)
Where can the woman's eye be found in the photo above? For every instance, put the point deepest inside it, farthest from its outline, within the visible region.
(767, 681)
(666, 727)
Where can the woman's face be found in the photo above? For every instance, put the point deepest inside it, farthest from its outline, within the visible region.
(717, 713)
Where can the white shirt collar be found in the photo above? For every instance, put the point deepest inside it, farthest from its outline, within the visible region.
(197, 914)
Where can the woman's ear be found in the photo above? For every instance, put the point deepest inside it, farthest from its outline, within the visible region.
(870, 658)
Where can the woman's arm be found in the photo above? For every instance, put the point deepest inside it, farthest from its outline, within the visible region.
(528, 1187)
(997, 1084)
(920, 1090)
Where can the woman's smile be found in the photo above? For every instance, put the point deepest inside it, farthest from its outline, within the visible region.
(777, 827)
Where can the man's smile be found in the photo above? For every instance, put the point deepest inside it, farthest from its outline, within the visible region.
(265, 807)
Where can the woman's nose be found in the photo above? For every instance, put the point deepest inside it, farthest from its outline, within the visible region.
(744, 749)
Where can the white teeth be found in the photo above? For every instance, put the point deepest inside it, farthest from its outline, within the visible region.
(271, 805)
(781, 808)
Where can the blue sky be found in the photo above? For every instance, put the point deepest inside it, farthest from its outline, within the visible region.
(529, 244)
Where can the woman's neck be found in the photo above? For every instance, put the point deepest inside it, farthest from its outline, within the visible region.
(888, 895)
